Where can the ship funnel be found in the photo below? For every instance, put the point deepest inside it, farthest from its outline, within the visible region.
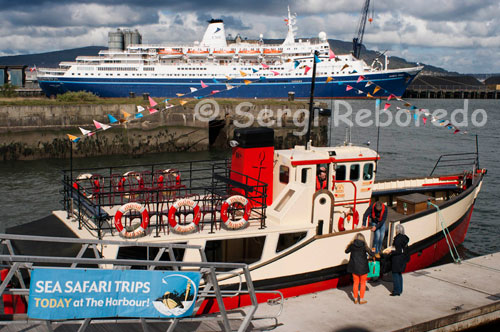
(215, 35)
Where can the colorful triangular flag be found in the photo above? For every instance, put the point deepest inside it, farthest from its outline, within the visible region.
(377, 88)
(368, 84)
(179, 94)
(140, 108)
(193, 89)
(306, 69)
(183, 102)
(229, 78)
(316, 59)
(344, 67)
(73, 138)
(369, 95)
(360, 78)
(329, 79)
(348, 87)
(275, 73)
(97, 124)
(264, 66)
(112, 119)
(203, 85)
(215, 81)
(242, 73)
(296, 64)
(386, 106)
(152, 110)
(125, 114)
(229, 86)
(152, 103)
(138, 115)
(255, 70)
(331, 55)
(247, 82)
(85, 132)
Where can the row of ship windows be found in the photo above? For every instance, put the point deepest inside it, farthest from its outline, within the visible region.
(122, 68)
(197, 75)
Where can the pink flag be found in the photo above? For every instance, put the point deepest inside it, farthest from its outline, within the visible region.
(215, 91)
(387, 105)
(391, 96)
(152, 103)
(265, 66)
(203, 85)
(331, 54)
(97, 124)
(456, 131)
(424, 119)
(348, 88)
(275, 73)
(360, 78)
(307, 69)
(152, 110)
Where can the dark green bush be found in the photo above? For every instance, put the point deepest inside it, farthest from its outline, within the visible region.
(79, 96)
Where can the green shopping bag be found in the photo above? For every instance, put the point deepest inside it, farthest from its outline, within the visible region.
(374, 267)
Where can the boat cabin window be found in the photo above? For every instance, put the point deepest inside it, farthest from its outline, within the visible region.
(304, 174)
(368, 171)
(287, 240)
(145, 253)
(354, 172)
(340, 171)
(243, 250)
(284, 174)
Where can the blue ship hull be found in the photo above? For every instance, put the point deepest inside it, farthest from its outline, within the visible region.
(391, 83)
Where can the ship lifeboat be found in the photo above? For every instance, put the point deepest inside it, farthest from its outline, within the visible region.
(223, 53)
(170, 54)
(249, 53)
(272, 51)
(197, 53)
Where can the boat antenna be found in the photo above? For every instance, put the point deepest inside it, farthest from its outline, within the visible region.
(311, 101)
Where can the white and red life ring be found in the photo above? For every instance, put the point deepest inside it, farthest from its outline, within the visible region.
(144, 220)
(196, 216)
(343, 223)
(240, 223)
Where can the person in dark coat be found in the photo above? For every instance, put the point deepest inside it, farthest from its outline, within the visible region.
(358, 265)
(399, 257)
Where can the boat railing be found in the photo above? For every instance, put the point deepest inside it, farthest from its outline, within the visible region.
(22, 255)
(457, 160)
(94, 196)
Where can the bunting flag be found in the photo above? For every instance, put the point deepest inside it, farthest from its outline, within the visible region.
(152, 103)
(387, 105)
(377, 88)
(229, 86)
(306, 69)
(424, 119)
(331, 55)
(73, 139)
(229, 78)
(262, 78)
(138, 115)
(152, 110)
(360, 78)
(247, 82)
(264, 66)
(85, 132)
(348, 88)
(296, 64)
(167, 106)
(456, 131)
(275, 73)
(140, 108)
(179, 94)
(125, 114)
(203, 85)
(214, 92)
(193, 89)
(329, 79)
(344, 67)
(316, 59)
(242, 73)
(97, 124)
(112, 119)
(368, 84)
(166, 100)
(183, 102)
(215, 81)
(391, 96)
(369, 95)
(255, 70)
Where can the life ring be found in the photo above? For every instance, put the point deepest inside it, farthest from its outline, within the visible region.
(196, 216)
(355, 221)
(240, 223)
(144, 220)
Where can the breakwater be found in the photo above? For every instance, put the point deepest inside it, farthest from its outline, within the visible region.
(35, 132)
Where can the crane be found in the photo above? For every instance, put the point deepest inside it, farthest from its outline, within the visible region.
(358, 39)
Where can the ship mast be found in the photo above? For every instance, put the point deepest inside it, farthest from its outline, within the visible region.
(290, 22)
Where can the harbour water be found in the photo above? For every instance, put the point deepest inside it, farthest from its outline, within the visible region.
(29, 190)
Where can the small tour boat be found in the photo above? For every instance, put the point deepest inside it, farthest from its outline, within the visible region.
(263, 208)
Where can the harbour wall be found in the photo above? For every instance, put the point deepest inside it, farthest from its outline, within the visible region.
(36, 132)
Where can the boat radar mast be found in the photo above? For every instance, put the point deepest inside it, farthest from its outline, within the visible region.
(290, 22)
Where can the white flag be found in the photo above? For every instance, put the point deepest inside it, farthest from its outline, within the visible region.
(140, 108)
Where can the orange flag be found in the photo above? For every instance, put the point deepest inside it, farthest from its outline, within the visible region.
(247, 82)
(125, 114)
(243, 73)
(376, 89)
(329, 79)
(183, 102)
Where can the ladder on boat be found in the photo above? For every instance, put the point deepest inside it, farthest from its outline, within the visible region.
(88, 256)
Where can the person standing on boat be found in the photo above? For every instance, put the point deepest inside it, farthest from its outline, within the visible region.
(358, 266)
(321, 179)
(399, 257)
(377, 212)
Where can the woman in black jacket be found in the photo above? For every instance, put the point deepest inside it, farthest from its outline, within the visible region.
(399, 258)
(358, 265)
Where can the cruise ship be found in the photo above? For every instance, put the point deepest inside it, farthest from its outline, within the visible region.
(222, 69)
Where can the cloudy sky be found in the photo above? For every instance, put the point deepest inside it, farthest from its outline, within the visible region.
(458, 35)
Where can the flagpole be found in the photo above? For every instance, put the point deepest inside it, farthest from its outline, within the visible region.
(378, 139)
(311, 101)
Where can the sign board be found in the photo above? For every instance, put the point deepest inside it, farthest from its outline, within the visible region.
(95, 293)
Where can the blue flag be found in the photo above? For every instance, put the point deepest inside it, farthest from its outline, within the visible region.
(316, 59)
(255, 70)
(262, 78)
(296, 63)
(215, 81)
(138, 115)
(112, 119)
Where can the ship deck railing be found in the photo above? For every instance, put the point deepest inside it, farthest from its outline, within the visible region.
(93, 195)
(86, 254)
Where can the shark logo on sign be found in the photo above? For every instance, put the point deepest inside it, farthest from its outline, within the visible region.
(178, 296)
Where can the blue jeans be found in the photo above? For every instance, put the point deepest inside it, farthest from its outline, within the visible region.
(378, 237)
(397, 279)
